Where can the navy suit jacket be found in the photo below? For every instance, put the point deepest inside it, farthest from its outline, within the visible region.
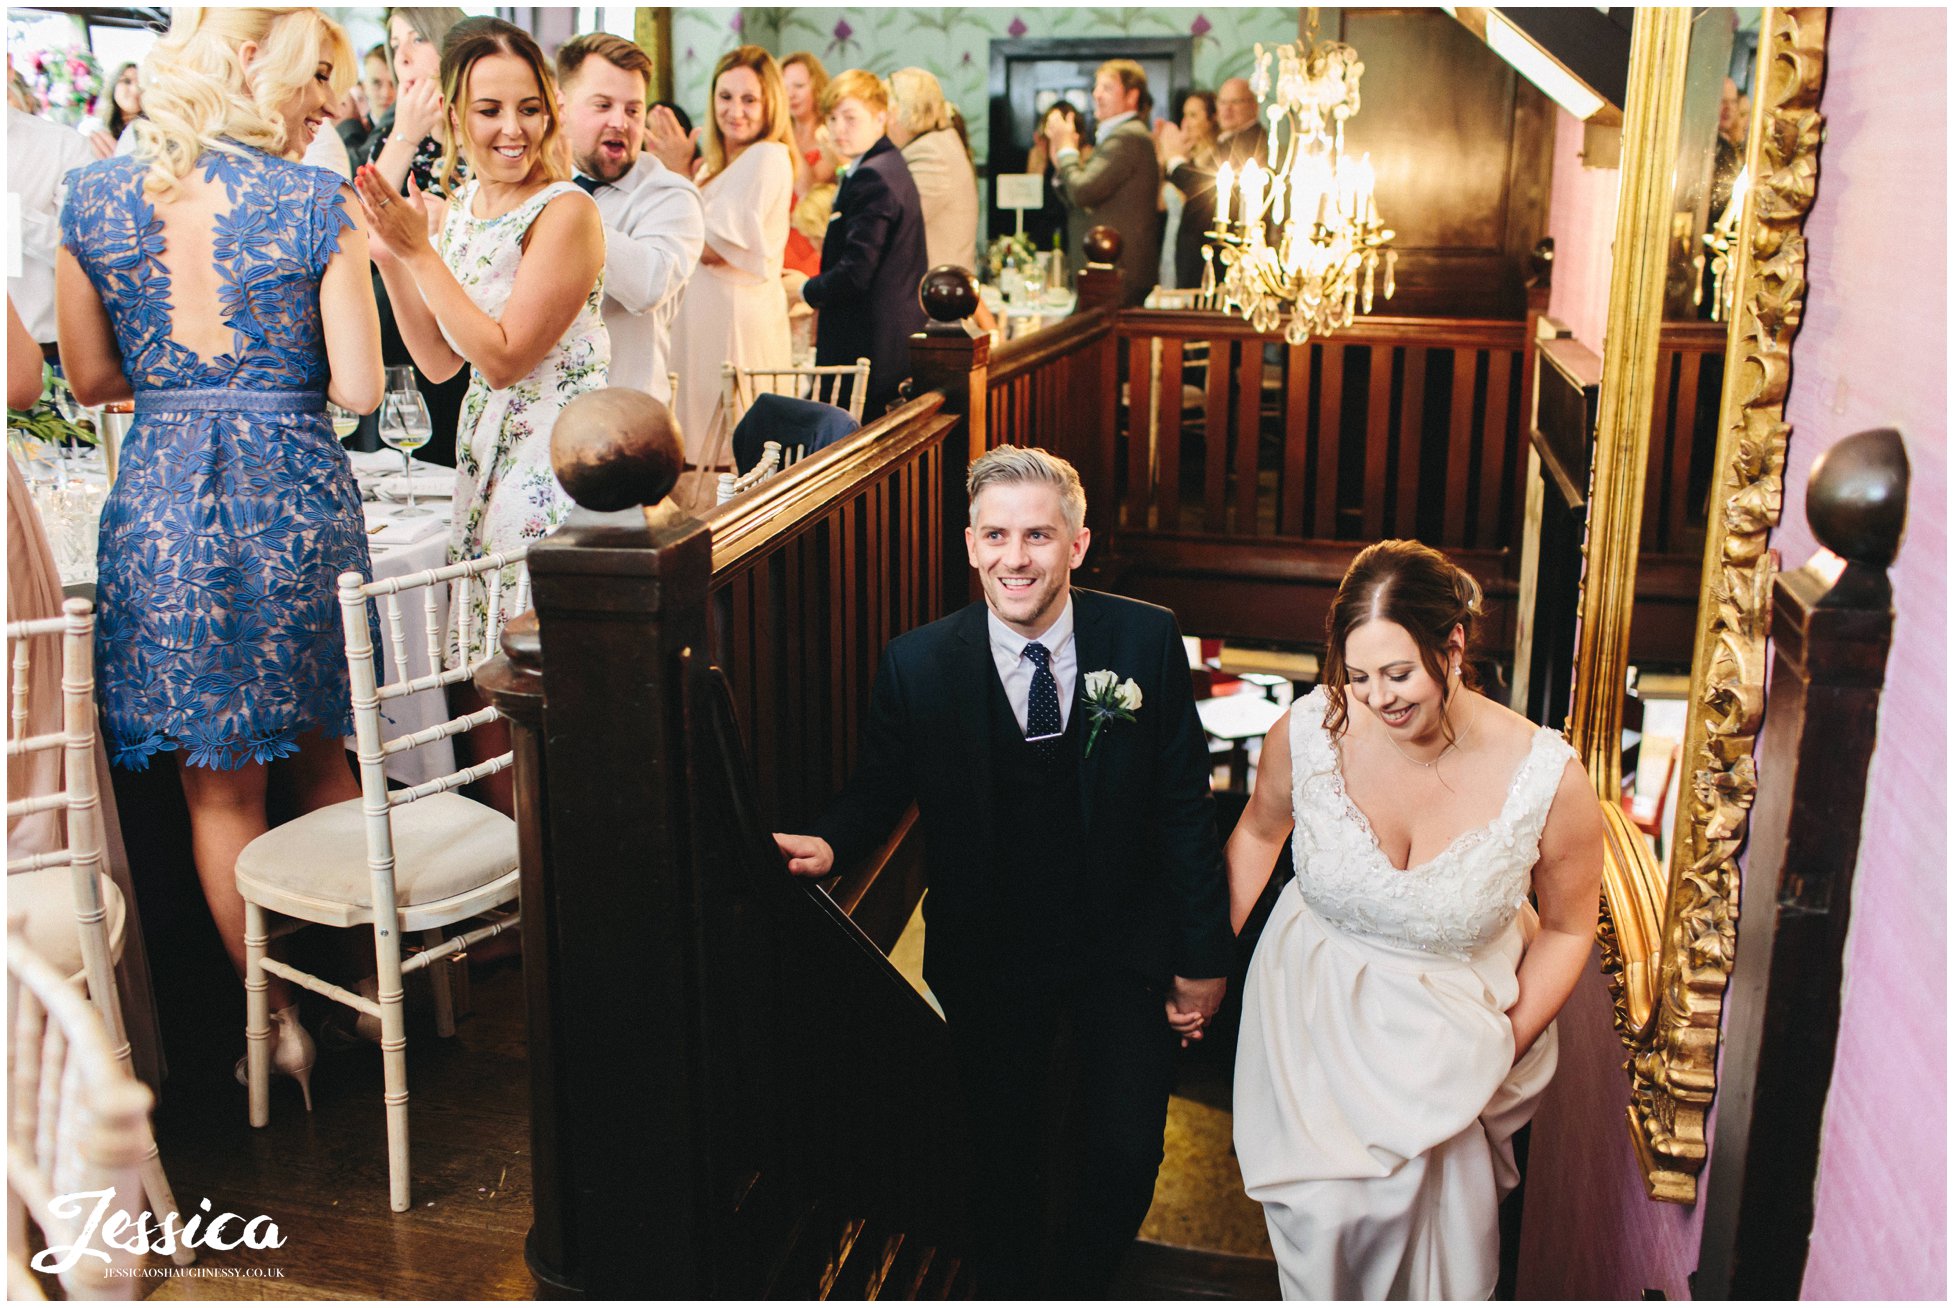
(1150, 894)
(872, 264)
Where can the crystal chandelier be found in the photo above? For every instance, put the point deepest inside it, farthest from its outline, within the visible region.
(1300, 239)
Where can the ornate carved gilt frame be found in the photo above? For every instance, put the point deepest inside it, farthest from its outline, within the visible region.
(1668, 936)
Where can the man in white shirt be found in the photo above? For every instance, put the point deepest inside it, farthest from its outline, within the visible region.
(654, 220)
(39, 155)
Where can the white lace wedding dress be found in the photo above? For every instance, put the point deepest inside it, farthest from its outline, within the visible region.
(1375, 1090)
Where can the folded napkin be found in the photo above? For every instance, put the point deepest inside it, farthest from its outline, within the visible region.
(429, 484)
(385, 529)
(373, 463)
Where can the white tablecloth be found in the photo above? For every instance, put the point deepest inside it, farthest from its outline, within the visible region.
(401, 548)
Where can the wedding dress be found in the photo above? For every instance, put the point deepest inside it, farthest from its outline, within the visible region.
(1376, 1094)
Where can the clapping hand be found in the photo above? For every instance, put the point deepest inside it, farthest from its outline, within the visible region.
(1061, 133)
(1170, 139)
(417, 110)
(1190, 1005)
(397, 226)
(673, 147)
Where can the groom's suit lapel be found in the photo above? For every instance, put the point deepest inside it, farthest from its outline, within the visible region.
(971, 672)
(1094, 637)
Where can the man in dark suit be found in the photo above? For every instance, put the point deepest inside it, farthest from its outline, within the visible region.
(1120, 185)
(873, 258)
(1077, 911)
(1240, 137)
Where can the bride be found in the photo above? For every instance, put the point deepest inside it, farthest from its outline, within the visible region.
(1397, 1022)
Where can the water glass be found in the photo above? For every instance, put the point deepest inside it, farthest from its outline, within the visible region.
(406, 425)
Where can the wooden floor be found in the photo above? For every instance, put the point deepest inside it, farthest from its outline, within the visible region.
(323, 1177)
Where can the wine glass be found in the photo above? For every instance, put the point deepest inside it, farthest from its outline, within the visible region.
(344, 421)
(1032, 272)
(405, 425)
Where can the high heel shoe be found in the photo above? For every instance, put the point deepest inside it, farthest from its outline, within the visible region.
(292, 1055)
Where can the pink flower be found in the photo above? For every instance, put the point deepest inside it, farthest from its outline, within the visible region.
(1017, 28)
(843, 31)
(1201, 26)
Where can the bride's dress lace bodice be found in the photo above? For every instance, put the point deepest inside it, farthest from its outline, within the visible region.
(1453, 904)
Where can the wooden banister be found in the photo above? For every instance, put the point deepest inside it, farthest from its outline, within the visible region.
(1831, 626)
(681, 1156)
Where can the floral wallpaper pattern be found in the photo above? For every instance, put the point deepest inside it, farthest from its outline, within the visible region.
(954, 43)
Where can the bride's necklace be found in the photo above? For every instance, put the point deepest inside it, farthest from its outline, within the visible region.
(1455, 743)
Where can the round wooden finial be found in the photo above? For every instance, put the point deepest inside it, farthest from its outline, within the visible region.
(1856, 501)
(948, 293)
(1103, 244)
(616, 449)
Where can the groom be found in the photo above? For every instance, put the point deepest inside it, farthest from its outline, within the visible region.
(1077, 910)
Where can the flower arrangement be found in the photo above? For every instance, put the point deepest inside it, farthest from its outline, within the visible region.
(67, 82)
(1108, 700)
(1011, 248)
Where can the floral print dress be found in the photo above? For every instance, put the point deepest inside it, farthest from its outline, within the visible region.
(234, 510)
(506, 493)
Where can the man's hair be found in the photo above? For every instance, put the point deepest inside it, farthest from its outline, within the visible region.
(614, 50)
(1011, 465)
(1132, 77)
(860, 83)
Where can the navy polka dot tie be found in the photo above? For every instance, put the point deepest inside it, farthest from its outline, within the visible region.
(1043, 726)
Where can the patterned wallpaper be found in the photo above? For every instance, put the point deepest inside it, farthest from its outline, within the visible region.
(954, 44)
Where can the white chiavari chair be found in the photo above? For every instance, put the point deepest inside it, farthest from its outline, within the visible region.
(822, 383)
(77, 1125)
(69, 912)
(415, 860)
(769, 464)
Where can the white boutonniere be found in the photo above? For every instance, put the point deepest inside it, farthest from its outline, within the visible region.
(1108, 699)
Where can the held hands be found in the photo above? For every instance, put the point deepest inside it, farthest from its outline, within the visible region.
(1190, 1005)
(417, 111)
(101, 143)
(793, 280)
(673, 147)
(807, 856)
(397, 226)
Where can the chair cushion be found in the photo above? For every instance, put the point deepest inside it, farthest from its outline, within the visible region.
(47, 898)
(444, 846)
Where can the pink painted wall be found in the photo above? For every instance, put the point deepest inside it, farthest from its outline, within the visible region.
(1873, 353)
(1581, 219)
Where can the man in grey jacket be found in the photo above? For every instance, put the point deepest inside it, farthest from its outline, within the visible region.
(1120, 185)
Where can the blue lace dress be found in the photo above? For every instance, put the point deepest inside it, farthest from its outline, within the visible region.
(234, 508)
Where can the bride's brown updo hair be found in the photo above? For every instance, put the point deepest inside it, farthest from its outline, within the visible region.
(1418, 588)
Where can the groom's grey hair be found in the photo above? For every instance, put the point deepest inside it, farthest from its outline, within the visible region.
(1009, 465)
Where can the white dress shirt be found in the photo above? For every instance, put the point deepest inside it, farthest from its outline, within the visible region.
(39, 155)
(1016, 671)
(654, 232)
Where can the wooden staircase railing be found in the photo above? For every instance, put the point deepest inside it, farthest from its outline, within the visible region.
(730, 1082)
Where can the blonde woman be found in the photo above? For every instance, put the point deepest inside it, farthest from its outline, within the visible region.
(735, 309)
(234, 510)
(920, 125)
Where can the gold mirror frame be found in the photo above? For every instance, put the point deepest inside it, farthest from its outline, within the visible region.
(1668, 935)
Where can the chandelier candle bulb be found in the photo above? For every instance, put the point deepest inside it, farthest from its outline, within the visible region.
(1224, 186)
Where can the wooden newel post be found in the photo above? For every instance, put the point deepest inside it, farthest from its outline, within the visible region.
(1831, 625)
(594, 685)
(1099, 280)
(951, 355)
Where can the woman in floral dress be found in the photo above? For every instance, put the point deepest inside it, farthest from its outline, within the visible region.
(512, 291)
